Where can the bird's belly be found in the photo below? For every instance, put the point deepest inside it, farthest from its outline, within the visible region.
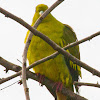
(54, 69)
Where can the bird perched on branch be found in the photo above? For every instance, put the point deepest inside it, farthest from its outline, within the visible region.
(60, 69)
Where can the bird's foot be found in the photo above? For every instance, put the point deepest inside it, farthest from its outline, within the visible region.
(41, 78)
(58, 85)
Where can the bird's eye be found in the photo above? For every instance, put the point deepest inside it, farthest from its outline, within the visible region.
(41, 12)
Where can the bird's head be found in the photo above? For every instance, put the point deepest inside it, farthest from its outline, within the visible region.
(40, 9)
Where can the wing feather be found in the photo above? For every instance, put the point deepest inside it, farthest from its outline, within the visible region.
(69, 36)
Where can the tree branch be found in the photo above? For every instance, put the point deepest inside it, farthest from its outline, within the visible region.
(50, 42)
(86, 84)
(16, 68)
(48, 83)
(56, 47)
(7, 65)
(52, 56)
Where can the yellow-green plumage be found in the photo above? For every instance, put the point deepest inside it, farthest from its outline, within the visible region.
(60, 68)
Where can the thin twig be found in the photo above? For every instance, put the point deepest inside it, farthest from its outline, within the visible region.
(86, 84)
(10, 77)
(9, 85)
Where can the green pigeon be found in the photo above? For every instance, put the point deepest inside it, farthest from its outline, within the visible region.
(60, 69)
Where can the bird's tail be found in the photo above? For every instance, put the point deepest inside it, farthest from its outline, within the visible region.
(61, 96)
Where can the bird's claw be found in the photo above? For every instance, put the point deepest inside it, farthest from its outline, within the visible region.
(58, 85)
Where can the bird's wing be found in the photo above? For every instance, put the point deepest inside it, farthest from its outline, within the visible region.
(69, 36)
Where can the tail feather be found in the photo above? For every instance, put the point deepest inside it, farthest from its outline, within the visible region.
(61, 96)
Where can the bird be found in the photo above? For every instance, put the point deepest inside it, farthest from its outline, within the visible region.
(60, 69)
